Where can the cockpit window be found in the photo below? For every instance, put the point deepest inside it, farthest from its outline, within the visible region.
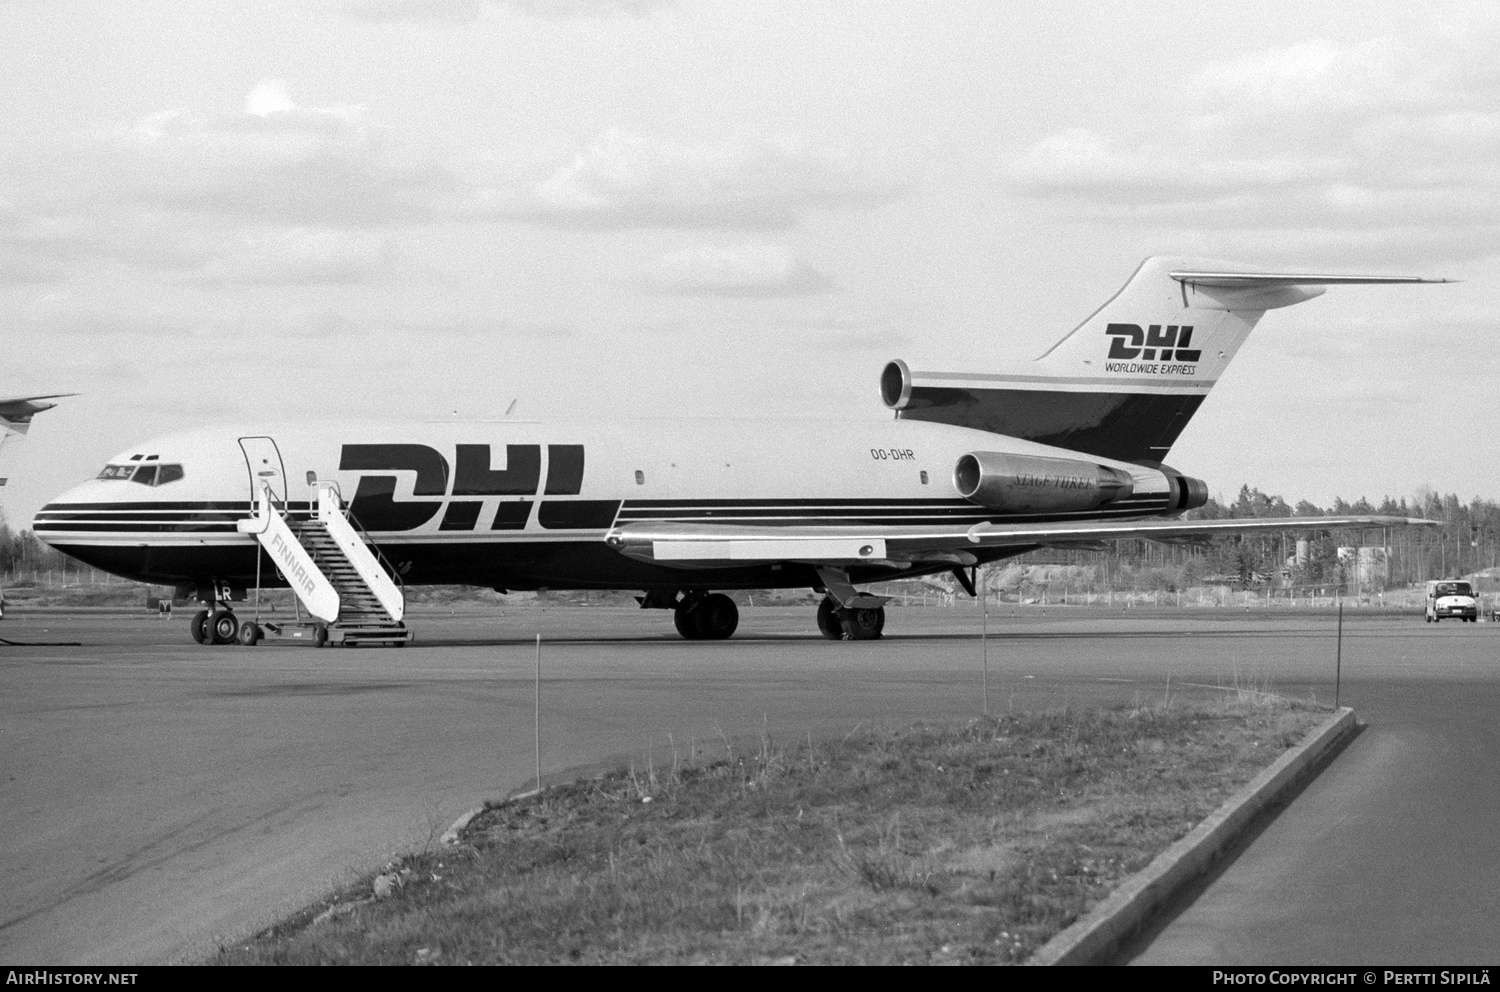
(146, 475)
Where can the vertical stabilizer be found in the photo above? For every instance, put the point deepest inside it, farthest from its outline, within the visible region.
(1124, 383)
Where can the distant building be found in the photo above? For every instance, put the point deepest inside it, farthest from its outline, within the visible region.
(1367, 567)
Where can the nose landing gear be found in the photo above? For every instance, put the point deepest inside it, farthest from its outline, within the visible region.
(220, 626)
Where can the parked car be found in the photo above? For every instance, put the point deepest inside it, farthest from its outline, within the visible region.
(1451, 598)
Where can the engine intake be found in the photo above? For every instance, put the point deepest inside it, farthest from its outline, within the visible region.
(1032, 483)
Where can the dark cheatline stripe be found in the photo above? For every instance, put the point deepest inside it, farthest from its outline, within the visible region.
(577, 514)
(241, 506)
(461, 515)
(92, 528)
(856, 516)
(511, 515)
(793, 501)
(144, 516)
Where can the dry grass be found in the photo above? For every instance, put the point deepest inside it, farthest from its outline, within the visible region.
(969, 844)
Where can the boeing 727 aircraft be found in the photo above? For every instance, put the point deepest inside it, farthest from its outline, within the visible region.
(973, 468)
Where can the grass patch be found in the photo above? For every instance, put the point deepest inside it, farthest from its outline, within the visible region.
(933, 844)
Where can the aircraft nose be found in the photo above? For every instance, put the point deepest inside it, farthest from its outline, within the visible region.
(52, 521)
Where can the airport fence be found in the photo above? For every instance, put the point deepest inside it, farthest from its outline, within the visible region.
(62, 578)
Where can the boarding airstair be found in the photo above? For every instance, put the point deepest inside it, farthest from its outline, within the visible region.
(330, 565)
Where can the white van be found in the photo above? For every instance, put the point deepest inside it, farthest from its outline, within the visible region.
(1451, 598)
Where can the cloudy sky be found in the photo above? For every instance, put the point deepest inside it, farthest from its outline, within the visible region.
(282, 210)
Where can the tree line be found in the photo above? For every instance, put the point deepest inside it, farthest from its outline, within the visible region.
(1467, 541)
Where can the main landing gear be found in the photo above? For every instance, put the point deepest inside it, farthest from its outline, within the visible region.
(845, 614)
(839, 623)
(706, 617)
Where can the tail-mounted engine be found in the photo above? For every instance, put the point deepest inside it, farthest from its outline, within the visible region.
(1186, 492)
(1035, 484)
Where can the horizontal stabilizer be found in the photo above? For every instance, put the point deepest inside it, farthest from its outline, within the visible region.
(1234, 280)
(1208, 289)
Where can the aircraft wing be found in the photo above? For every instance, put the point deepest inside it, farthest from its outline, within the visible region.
(16, 413)
(15, 410)
(712, 545)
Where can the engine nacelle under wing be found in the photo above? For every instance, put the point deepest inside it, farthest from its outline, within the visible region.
(1035, 484)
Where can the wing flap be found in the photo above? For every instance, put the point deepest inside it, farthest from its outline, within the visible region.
(712, 545)
(779, 547)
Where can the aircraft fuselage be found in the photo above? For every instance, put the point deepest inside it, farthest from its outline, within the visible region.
(527, 505)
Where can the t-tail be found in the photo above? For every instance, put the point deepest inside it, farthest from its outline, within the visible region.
(1124, 383)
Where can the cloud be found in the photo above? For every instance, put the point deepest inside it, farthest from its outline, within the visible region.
(274, 161)
(300, 256)
(624, 180)
(275, 192)
(22, 267)
(1383, 146)
(746, 270)
(387, 11)
(65, 313)
(470, 11)
(1079, 160)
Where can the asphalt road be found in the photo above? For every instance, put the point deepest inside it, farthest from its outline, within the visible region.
(1392, 854)
(158, 798)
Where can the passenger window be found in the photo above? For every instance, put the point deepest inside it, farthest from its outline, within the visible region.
(145, 475)
(168, 473)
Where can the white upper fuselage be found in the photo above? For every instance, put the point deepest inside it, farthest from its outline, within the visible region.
(721, 471)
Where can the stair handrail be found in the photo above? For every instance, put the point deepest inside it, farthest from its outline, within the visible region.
(385, 563)
(268, 496)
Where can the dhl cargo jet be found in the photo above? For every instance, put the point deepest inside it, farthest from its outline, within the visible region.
(973, 468)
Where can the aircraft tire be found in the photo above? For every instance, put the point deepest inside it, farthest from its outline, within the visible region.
(320, 634)
(864, 625)
(829, 624)
(198, 627)
(685, 621)
(716, 616)
(224, 627)
(249, 633)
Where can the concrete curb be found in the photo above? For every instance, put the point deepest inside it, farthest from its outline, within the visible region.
(452, 834)
(1092, 939)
